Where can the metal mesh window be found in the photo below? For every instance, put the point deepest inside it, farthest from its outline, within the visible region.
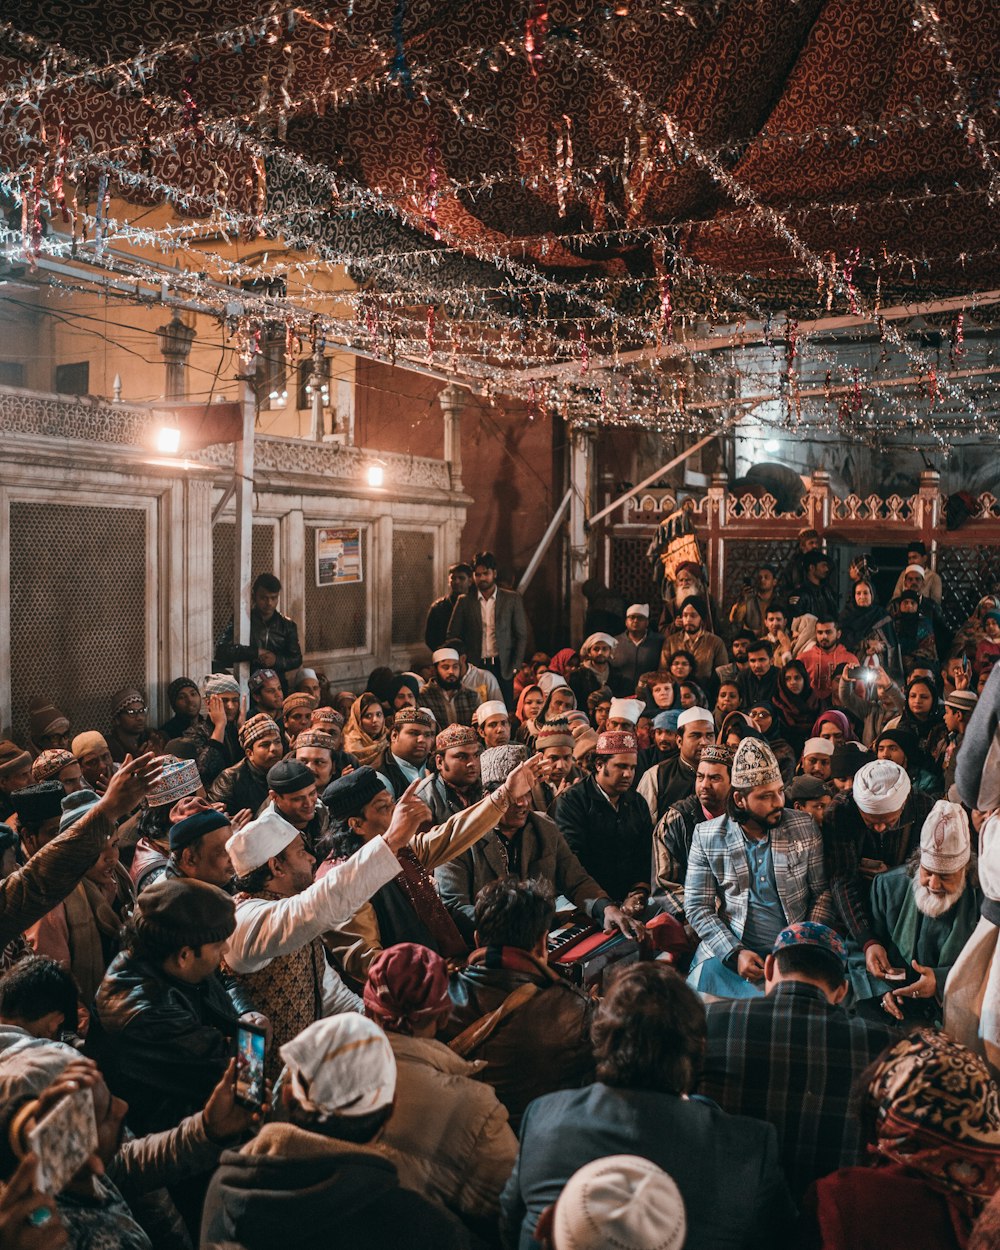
(336, 616)
(77, 609)
(745, 556)
(261, 561)
(967, 573)
(631, 571)
(412, 583)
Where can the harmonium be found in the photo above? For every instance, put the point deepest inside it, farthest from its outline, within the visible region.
(583, 953)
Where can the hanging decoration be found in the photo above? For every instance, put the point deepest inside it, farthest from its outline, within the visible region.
(528, 212)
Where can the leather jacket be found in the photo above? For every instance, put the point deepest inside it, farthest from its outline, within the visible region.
(164, 1043)
(278, 634)
(239, 787)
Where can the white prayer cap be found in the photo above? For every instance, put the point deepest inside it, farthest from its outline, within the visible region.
(818, 746)
(916, 568)
(622, 1201)
(258, 841)
(638, 609)
(444, 653)
(341, 1065)
(945, 844)
(429, 713)
(492, 707)
(592, 638)
(547, 682)
(626, 709)
(881, 787)
(692, 714)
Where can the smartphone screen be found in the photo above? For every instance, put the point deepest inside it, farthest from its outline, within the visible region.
(251, 1051)
(64, 1140)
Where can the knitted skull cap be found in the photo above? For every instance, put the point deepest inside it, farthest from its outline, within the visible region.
(754, 765)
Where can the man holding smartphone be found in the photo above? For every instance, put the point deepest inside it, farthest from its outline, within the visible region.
(167, 1020)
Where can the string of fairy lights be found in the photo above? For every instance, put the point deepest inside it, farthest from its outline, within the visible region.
(554, 317)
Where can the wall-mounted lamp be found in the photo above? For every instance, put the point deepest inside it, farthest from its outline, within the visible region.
(376, 474)
(168, 440)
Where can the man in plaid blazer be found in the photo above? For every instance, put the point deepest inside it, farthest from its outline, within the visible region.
(751, 872)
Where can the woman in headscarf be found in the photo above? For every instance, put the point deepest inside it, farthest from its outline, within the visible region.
(448, 1131)
(922, 716)
(914, 632)
(795, 703)
(866, 627)
(564, 662)
(559, 699)
(763, 718)
(839, 728)
(690, 694)
(803, 633)
(529, 704)
(735, 728)
(988, 647)
(365, 734)
(967, 637)
(934, 1120)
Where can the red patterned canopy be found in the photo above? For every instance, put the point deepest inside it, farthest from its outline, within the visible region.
(607, 166)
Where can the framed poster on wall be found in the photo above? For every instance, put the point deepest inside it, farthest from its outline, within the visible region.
(338, 556)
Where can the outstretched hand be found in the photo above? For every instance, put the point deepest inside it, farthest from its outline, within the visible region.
(407, 817)
(130, 784)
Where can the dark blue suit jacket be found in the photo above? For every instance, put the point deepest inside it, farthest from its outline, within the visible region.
(725, 1166)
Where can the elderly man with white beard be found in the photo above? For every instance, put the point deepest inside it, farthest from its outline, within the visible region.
(923, 913)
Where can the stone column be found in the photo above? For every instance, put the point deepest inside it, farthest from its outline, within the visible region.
(581, 464)
(452, 400)
(175, 345)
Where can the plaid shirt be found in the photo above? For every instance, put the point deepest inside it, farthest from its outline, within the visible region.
(791, 1058)
(717, 886)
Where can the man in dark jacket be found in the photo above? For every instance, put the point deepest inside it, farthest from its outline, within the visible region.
(648, 1037)
(871, 830)
(637, 651)
(607, 825)
(292, 791)
(456, 784)
(792, 1057)
(274, 639)
(244, 786)
(439, 613)
(215, 737)
(512, 920)
(673, 834)
(674, 779)
(315, 1170)
(525, 844)
(492, 624)
(167, 1024)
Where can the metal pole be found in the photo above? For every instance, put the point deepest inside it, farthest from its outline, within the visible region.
(646, 481)
(546, 542)
(244, 469)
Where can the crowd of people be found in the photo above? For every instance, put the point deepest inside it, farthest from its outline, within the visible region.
(781, 814)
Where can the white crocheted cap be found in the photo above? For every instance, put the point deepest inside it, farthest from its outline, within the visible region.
(621, 1201)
